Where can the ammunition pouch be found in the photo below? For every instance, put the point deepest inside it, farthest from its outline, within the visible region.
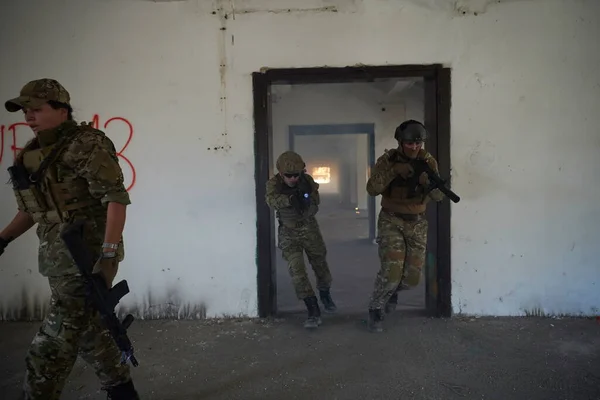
(40, 194)
(29, 198)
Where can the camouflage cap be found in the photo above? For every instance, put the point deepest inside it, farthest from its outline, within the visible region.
(38, 92)
(290, 162)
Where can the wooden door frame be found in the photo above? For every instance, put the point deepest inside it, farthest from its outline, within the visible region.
(437, 120)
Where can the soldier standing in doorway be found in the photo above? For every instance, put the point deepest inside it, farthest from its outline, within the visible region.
(69, 172)
(402, 225)
(295, 196)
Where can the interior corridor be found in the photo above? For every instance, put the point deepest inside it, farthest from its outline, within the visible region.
(353, 262)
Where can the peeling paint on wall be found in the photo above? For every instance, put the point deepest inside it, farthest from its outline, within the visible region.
(26, 307)
(171, 307)
(34, 307)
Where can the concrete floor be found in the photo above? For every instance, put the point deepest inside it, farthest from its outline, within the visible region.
(353, 262)
(415, 358)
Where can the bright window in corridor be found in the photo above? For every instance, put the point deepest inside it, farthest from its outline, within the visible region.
(321, 174)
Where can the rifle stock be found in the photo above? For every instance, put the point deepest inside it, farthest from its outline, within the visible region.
(103, 299)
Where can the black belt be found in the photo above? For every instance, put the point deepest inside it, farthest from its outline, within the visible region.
(407, 217)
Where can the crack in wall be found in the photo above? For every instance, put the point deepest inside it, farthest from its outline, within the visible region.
(332, 9)
(461, 7)
(222, 47)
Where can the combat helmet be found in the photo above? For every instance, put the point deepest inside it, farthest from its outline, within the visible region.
(411, 131)
(290, 162)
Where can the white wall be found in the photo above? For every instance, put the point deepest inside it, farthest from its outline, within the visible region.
(525, 92)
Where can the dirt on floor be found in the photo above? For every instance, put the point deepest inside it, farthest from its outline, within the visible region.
(415, 358)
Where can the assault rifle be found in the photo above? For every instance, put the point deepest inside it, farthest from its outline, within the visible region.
(300, 194)
(435, 181)
(102, 298)
(304, 189)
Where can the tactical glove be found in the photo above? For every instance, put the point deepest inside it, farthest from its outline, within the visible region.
(424, 180)
(296, 203)
(304, 200)
(405, 170)
(3, 244)
(304, 191)
(107, 269)
(304, 185)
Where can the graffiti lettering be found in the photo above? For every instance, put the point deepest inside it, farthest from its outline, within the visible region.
(15, 134)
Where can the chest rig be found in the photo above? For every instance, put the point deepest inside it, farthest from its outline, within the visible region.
(408, 190)
(43, 186)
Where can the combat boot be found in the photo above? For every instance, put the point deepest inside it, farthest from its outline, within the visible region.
(314, 313)
(327, 301)
(124, 391)
(375, 323)
(391, 304)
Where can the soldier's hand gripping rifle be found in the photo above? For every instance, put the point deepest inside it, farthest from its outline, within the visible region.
(102, 298)
(435, 181)
(303, 191)
(299, 195)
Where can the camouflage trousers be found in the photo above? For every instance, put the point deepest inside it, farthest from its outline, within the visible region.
(402, 250)
(70, 328)
(293, 242)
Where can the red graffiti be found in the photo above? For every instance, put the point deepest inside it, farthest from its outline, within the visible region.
(96, 124)
(13, 129)
(14, 147)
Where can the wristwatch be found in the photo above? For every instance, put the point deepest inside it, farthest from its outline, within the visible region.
(109, 254)
(113, 246)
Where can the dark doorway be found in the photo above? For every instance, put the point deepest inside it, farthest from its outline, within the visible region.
(436, 86)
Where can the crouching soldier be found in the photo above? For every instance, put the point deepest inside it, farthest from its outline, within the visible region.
(295, 196)
(402, 225)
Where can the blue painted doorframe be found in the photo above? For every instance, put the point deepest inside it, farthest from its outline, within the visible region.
(343, 129)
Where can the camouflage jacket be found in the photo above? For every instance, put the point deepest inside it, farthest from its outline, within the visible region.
(395, 199)
(79, 184)
(278, 198)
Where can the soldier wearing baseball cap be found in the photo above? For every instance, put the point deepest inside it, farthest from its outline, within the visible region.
(68, 172)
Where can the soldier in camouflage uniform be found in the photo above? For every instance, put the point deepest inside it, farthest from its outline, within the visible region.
(82, 181)
(402, 225)
(295, 196)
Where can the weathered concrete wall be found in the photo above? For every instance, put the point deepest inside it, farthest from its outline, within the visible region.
(525, 92)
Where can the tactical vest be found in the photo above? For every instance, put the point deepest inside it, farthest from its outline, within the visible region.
(396, 197)
(289, 216)
(47, 198)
